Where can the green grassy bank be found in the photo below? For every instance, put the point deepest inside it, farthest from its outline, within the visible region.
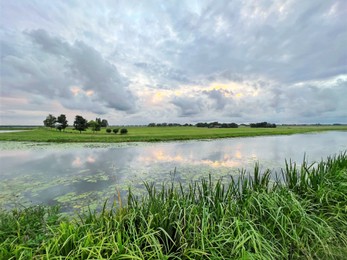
(252, 217)
(152, 134)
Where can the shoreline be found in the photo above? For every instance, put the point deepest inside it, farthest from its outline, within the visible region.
(157, 134)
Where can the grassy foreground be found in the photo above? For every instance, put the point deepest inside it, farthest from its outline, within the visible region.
(152, 134)
(252, 217)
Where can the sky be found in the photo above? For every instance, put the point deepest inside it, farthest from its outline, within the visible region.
(137, 62)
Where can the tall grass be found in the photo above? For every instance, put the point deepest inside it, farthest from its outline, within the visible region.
(302, 215)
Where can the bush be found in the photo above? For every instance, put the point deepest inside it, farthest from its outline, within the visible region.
(123, 131)
(108, 130)
(115, 130)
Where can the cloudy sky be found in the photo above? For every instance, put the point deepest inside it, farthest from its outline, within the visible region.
(136, 62)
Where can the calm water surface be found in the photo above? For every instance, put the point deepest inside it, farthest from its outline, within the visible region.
(81, 175)
(12, 131)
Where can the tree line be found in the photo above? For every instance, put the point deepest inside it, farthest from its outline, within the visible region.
(80, 123)
(217, 125)
(210, 125)
(263, 124)
(167, 124)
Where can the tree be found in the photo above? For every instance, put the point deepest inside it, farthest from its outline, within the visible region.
(63, 122)
(98, 120)
(101, 122)
(263, 124)
(115, 130)
(94, 125)
(50, 121)
(80, 123)
(58, 126)
(123, 131)
(104, 123)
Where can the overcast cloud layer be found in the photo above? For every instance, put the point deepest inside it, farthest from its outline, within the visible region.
(136, 62)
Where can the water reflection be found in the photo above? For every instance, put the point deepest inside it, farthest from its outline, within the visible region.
(77, 175)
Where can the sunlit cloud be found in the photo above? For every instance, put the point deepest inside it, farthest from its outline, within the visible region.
(89, 93)
(75, 90)
(77, 162)
(91, 159)
(79, 91)
(163, 156)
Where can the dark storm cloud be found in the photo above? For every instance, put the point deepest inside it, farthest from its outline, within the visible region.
(167, 75)
(107, 57)
(24, 69)
(304, 42)
(212, 101)
(311, 101)
(188, 106)
(219, 97)
(90, 69)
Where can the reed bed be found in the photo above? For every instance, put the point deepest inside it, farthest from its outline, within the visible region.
(300, 215)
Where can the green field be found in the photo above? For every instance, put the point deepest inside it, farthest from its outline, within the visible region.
(153, 134)
(251, 217)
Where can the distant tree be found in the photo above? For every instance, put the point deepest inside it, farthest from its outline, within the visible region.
(94, 125)
(217, 125)
(214, 125)
(58, 126)
(262, 124)
(108, 130)
(104, 123)
(50, 121)
(101, 122)
(80, 123)
(151, 124)
(202, 125)
(233, 125)
(123, 131)
(62, 121)
(115, 130)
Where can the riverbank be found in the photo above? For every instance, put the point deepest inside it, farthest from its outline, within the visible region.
(250, 217)
(155, 134)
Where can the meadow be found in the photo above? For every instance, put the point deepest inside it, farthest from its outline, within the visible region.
(153, 134)
(300, 215)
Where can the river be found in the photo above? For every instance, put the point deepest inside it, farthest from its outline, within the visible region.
(82, 175)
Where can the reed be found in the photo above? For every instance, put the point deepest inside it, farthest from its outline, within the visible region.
(301, 214)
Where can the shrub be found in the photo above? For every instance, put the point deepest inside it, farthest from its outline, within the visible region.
(115, 130)
(124, 131)
(108, 130)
